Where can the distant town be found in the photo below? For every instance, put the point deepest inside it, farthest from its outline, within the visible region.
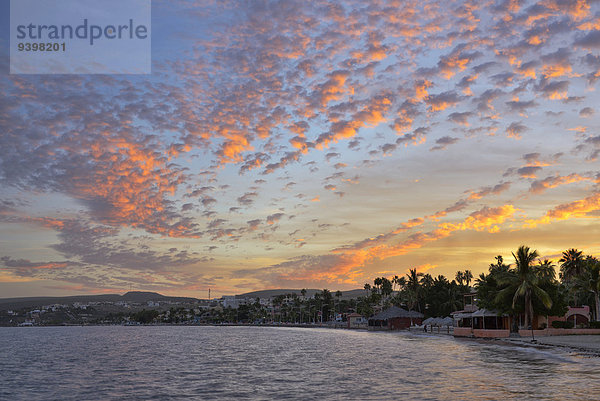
(135, 307)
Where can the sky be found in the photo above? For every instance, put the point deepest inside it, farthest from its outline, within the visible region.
(299, 144)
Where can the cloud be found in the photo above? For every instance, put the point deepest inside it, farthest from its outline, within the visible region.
(495, 190)
(332, 89)
(253, 224)
(589, 41)
(461, 118)
(247, 199)
(586, 112)
(540, 186)
(576, 209)
(557, 64)
(444, 142)
(521, 106)
(458, 59)
(274, 218)
(529, 171)
(331, 155)
(554, 90)
(442, 101)
(486, 219)
(515, 129)
(26, 268)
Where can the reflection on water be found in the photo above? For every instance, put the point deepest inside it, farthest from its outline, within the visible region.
(168, 363)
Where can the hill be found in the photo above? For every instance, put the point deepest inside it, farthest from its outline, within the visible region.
(132, 296)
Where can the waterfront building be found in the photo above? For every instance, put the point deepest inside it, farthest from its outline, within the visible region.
(483, 323)
(395, 318)
(356, 321)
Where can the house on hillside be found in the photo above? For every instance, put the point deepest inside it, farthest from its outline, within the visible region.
(395, 318)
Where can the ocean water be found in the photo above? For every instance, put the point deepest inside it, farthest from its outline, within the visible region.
(269, 363)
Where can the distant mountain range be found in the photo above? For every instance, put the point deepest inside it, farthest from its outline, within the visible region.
(143, 297)
(132, 296)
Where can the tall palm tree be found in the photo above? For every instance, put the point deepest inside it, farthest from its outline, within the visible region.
(338, 295)
(467, 276)
(460, 277)
(377, 283)
(413, 286)
(527, 283)
(571, 264)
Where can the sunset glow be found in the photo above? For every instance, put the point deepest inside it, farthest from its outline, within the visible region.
(295, 144)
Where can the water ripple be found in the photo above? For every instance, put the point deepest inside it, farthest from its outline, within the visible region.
(262, 363)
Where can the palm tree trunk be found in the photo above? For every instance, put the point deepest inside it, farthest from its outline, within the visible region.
(597, 302)
(528, 309)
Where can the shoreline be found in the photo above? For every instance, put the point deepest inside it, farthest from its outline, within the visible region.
(588, 345)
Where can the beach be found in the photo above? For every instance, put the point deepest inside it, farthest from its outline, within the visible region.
(584, 343)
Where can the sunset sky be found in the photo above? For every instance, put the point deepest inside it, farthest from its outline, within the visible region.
(291, 144)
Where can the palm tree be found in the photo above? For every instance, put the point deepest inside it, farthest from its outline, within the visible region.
(460, 277)
(545, 270)
(527, 283)
(589, 281)
(377, 283)
(571, 264)
(386, 287)
(394, 282)
(413, 286)
(453, 301)
(401, 281)
(427, 280)
(338, 295)
(499, 266)
(467, 276)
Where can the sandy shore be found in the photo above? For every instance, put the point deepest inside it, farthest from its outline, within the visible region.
(585, 343)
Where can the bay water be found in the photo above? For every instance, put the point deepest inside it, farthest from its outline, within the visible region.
(278, 363)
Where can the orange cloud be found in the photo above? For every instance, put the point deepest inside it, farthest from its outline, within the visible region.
(576, 9)
(556, 70)
(442, 101)
(371, 114)
(590, 25)
(449, 65)
(540, 186)
(333, 88)
(421, 89)
(484, 219)
(576, 209)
